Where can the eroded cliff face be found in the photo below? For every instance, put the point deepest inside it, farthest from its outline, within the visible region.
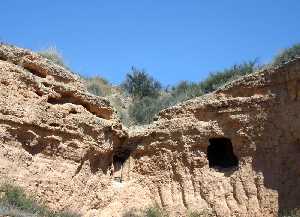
(56, 140)
(234, 152)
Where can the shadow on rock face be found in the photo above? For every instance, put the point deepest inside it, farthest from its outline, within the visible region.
(278, 151)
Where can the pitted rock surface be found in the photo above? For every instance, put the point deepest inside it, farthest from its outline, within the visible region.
(68, 148)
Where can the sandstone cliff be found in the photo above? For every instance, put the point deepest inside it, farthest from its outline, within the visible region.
(258, 115)
(234, 152)
(56, 140)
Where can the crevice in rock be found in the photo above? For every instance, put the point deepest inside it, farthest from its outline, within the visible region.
(54, 125)
(70, 98)
(177, 177)
(33, 138)
(78, 168)
(2, 58)
(184, 201)
(46, 84)
(205, 196)
(73, 111)
(34, 149)
(233, 183)
(38, 92)
(109, 163)
(35, 72)
(161, 196)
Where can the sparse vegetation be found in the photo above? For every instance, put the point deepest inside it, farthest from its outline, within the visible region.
(132, 213)
(145, 92)
(186, 90)
(143, 110)
(148, 98)
(287, 54)
(139, 84)
(154, 211)
(217, 79)
(146, 106)
(203, 213)
(14, 202)
(52, 54)
(98, 86)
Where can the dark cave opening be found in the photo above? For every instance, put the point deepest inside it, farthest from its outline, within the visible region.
(220, 153)
(119, 159)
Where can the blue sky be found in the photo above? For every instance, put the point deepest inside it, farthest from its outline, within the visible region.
(173, 40)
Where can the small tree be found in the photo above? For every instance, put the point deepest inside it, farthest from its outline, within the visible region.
(139, 84)
(287, 54)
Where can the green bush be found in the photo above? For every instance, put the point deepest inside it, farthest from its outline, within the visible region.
(13, 212)
(98, 86)
(218, 79)
(186, 90)
(203, 213)
(132, 213)
(14, 196)
(149, 101)
(155, 211)
(143, 110)
(139, 84)
(15, 202)
(52, 54)
(287, 54)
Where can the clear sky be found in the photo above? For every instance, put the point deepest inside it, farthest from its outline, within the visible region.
(172, 39)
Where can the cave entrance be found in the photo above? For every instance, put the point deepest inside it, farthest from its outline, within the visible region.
(220, 153)
(119, 158)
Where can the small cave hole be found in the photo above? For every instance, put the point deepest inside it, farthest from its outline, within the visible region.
(73, 111)
(119, 158)
(220, 154)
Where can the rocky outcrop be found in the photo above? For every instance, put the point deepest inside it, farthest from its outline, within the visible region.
(56, 140)
(233, 152)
